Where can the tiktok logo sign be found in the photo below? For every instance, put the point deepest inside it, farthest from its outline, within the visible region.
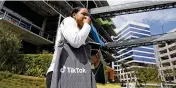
(72, 70)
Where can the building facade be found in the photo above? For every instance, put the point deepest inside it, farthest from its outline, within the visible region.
(132, 57)
(37, 21)
(167, 60)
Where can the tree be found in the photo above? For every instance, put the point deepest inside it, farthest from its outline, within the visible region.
(10, 43)
(146, 74)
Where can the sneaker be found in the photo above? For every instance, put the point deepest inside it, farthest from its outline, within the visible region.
(112, 81)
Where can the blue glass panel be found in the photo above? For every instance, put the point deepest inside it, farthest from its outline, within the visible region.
(131, 25)
(139, 31)
(144, 49)
(139, 35)
(143, 54)
(144, 59)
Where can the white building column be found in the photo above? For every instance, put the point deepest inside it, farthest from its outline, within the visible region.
(43, 26)
(112, 65)
(42, 34)
(158, 63)
(1, 4)
(170, 61)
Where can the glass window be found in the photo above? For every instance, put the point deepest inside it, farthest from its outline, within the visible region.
(144, 59)
(126, 55)
(139, 31)
(125, 32)
(143, 54)
(136, 26)
(123, 37)
(151, 46)
(139, 35)
(144, 49)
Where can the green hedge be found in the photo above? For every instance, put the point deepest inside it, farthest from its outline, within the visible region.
(37, 65)
(30, 64)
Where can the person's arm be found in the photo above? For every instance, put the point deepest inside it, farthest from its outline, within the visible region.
(73, 34)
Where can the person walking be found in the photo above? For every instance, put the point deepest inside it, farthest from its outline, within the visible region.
(71, 66)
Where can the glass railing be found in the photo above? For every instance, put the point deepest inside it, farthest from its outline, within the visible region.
(27, 25)
(1, 14)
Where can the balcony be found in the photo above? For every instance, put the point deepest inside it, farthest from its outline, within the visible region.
(163, 55)
(163, 51)
(167, 67)
(161, 45)
(172, 47)
(166, 57)
(29, 31)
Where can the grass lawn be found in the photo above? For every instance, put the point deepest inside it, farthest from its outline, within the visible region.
(8, 80)
(108, 85)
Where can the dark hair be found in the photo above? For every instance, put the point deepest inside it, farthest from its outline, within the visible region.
(75, 10)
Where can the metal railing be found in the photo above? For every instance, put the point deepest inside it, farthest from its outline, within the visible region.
(23, 23)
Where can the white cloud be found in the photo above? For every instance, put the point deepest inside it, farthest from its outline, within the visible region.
(161, 16)
(116, 2)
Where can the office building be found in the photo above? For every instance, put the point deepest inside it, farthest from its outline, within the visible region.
(132, 57)
(167, 60)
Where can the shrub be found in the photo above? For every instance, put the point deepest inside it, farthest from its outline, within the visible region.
(37, 65)
(10, 43)
(33, 64)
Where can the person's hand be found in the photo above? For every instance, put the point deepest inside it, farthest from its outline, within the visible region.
(87, 19)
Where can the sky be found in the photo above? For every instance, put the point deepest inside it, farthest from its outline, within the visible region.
(160, 21)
